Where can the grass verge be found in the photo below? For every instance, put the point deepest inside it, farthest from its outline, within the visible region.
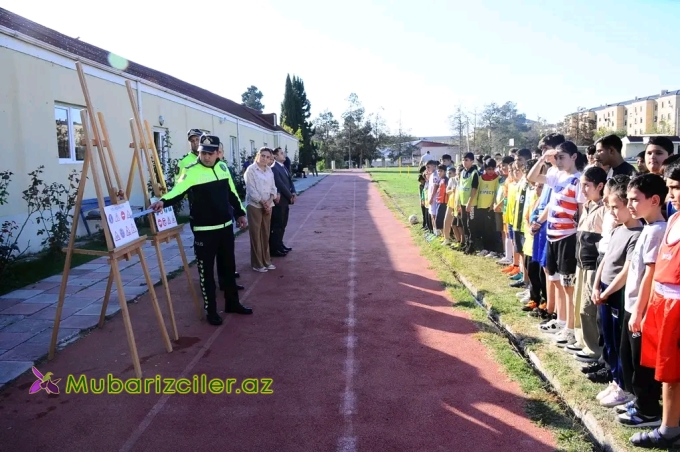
(549, 405)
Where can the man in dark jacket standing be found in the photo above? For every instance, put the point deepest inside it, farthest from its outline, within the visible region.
(286, 189)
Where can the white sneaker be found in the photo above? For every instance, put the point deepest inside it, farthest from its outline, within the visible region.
(504, 261)
(261, 270)
(616, 397)
(565, 337)
(552, 327)
(483, 253)
(526, 299)
(271, 267)
(523, 293)
(446, 242)
(605, 392)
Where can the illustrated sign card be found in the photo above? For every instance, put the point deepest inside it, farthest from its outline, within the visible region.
(166, 219)
(121, 223)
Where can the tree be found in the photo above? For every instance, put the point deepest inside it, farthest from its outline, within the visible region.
(352, 119)
(459, 123)
(401, 144)
(604, 131)
(252, 98)
(295, 113)
(326, 128)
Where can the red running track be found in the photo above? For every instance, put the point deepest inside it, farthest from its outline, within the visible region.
(357, 334)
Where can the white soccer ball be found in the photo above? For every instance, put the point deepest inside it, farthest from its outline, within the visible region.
(413, 219)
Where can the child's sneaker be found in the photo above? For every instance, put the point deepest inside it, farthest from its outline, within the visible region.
(552, 327)
(523, 293)
(565, 337)
(517, 276)
(504, 261)
(574, 348)
(482, 253)
(633, 418)
(605, 392)
(509, 269)
(621, 409)
(616, 396)
(530, 306)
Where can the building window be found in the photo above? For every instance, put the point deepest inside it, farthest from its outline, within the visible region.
(625, 123)
(233, 146)
(252, 147)
(70, 133)
(654, 118)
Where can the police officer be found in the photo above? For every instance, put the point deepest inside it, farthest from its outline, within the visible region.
(207, 181)
(194, 135)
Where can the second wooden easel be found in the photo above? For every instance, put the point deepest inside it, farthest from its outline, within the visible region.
(162, 229)
(122, 237)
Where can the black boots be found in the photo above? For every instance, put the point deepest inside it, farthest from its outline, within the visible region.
(232, 304)
(214, 319)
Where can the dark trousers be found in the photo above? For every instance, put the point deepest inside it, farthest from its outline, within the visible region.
(611, 318)
(222, 269)
(638, 379)
(208, 246)
(278, 226)
(488, 238)
(425, 213)
(468, 238)
(427, 219)
(537, 282)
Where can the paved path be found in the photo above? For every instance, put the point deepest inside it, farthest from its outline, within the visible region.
(358, 336)
(27, 315)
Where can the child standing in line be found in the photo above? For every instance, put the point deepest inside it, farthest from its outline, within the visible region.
(432, 184)
(661, 326)
(500, 206)
(587, 348)
(646, 195)
(450, 223)
(513, 183)
(440, 198)
(535, 293)
(484, 212)
(422, 182)
(608, 290)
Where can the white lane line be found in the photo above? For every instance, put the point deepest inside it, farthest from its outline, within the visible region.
(348, 442)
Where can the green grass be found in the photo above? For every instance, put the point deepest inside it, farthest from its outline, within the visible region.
(40, 266)
(543, 407)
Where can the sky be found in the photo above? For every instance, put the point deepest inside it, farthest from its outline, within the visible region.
(411, 62)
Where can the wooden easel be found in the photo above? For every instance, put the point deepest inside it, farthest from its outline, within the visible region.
(145, 148)
(97, 135)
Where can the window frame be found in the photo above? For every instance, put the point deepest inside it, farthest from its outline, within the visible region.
(70, 111)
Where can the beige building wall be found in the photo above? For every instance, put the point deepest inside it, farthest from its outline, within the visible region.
(34, 80)
(612, 118)
(641, 117)
(667, 112)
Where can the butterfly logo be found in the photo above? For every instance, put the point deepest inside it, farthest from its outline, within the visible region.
(44, 382)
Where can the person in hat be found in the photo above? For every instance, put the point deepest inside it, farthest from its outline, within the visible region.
(207, 181)
(193, 136)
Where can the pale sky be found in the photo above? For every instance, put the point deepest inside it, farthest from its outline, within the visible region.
(414, 59)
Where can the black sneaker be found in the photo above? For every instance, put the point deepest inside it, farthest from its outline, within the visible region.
(601, 376)
(590, 368)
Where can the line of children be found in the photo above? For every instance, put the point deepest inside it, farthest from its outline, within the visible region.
(601, 262)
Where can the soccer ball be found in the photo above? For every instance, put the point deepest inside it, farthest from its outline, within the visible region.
(413, 219)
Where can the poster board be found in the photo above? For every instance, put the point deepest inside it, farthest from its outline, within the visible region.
(121, 223)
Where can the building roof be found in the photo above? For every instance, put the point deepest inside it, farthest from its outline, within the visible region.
(101, 56)
(664, 93)
(430, 144)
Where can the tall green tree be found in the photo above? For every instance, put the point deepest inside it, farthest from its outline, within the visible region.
(295, 113)
(253, 98)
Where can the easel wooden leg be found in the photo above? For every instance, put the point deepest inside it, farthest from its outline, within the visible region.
(126, 319)
(164, 277)
(187, 271)
(60, 304)
(154, 301)
(105, 303)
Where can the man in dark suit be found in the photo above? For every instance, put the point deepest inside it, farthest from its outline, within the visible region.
(286, 189)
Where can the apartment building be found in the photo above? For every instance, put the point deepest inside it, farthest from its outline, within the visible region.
(655, 114)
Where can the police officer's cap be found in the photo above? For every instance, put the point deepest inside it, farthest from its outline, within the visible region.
(193, 133)
(209, 143)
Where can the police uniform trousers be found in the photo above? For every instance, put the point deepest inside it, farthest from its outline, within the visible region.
(209, 246)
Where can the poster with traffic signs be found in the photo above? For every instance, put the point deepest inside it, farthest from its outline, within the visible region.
(121, 223)
(166, 219)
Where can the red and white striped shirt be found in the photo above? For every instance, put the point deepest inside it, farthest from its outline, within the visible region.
(563, 207)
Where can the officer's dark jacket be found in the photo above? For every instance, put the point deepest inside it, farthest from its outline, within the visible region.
(215, 202)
